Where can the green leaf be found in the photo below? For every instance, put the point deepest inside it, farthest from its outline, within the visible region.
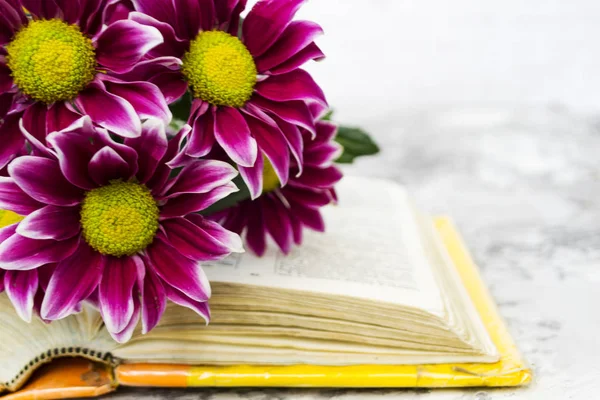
(328, 116)
(182, 107)
(356, 143)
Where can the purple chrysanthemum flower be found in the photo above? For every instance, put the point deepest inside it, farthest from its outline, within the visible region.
(110, 222)
(283, 212)
(250, 96)
(55, 65)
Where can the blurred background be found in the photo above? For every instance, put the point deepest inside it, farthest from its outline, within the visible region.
(386, 54)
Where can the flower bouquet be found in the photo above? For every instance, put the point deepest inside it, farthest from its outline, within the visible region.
(141, 138)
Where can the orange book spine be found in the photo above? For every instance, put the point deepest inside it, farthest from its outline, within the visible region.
(67, 378)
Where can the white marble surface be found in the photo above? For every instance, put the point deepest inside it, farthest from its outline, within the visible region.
(383, 55)
(523, 187)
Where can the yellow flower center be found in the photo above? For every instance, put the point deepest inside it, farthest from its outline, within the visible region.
(8, 218)
(270, 179)
(51, 60)
(219, 69)
(119, 219)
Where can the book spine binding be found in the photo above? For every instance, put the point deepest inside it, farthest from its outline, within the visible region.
(60, 352)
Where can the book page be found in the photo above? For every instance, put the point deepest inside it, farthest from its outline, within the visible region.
(371, 250)
(27, 345)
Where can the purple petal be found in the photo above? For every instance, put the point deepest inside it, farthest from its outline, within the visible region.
(116, 11)
(181, 159)
(228, 13)
(171, 84)
(233, 135)
(74, 280)
(199, 107)
(21, 287)
(190, 203)
(235, 219)
(102, 138)
(296, 229)
(193, 242)
(46, 9)
(273, 144)
(7, 231)
(172, 45)
(193, 16)
(253, 177)
(294, 139)
(124, 43)
(146, 98)
(233, 28)
(318, 178)
(60, 116)
(51, 222)
(91, 17)
(333, 194)
(309, 198)
(23, 254)
(318, 110)
(257, 231)
(6, 33)
(42, 179)
(309, 53)
(201, 176)
(265, 23)
(160, 10)
(20, 103)
(70, 10)
(14, 199)
(75, 148)
(112, 112)
(203, 130)
(12, 139)
(150, 67)
(229, 239)
(44, 274)
(12, 18)
(277, 221)
(201, 307)
(163, 170)
(154, 301)
(293, 112)
(295, 85)
(297, 36)
(39, 120)
(76, 145)
(178, 271)
(34, 128)
(125, 335)
(151, 148)
(310, 217)
(6, 81)
(323, 155)
(326, 131)
(108, 165)
(6, 103)
(116, 291)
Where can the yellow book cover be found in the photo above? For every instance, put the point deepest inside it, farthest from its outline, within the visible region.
(79, 378)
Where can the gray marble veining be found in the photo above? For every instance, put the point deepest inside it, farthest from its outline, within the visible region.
(523, 186)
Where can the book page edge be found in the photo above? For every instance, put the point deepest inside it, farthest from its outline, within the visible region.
(511, 370)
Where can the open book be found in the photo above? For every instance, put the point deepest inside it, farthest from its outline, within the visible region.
(378, 288)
